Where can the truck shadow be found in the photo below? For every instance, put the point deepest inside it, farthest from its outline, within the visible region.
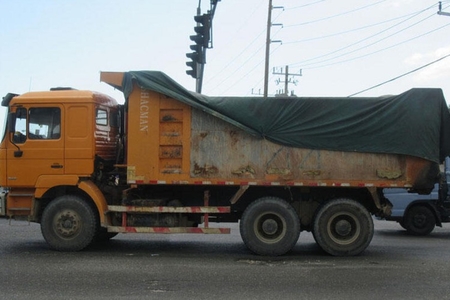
(400, 233)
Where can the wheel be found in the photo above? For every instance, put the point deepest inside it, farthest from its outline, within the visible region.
(69, 223)
(419, 220)
(270, 226)
(343, 227)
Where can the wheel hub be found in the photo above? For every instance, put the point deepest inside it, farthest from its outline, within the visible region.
(269, 226)
(343, 228)
(420, 221)
(67, 224)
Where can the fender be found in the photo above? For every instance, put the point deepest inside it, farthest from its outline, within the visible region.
(46, 182)
(97, 197)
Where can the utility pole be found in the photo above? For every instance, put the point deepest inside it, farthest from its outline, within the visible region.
(286, 78)
(268, 41)
(266, 69)
(440, 12)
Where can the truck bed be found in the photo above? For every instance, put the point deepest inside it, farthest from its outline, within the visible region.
(187, 138)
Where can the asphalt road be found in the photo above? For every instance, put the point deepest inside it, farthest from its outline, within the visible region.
(395, 266)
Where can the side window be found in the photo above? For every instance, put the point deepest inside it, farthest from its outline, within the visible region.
(101, 117)
(20, 134)
(44, 123)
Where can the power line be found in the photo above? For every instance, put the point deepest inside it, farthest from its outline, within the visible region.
(304, 5)
(380, 50)
(239, 55)
(250, 71)
(248, 46)
(324, 65)
(364, 39)
(240, 67)
(254, 53)
(346, 31)
(335, 16)
(400, 76)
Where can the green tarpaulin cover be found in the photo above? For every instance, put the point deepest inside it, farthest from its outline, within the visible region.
(415, 123)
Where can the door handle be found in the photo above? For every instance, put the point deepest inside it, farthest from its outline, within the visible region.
(56, 166)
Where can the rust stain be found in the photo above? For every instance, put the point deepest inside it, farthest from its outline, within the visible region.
(234, 137)
(312, 173)
(205, 170)
(243, 171)
(283, 174)
(389, 174)
(169, 118)
(172, 152)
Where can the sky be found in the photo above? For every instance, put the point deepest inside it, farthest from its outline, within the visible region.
(340, 47)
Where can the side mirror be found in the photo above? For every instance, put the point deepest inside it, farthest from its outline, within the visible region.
(11, 122)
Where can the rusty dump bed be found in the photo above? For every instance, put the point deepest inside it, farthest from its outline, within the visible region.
(174, 142)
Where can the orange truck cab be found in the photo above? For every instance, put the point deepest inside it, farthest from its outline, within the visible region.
(55, 141)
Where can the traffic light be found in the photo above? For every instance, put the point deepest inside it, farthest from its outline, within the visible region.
(202, 29)
(197, 55)
(202, 36)
(201, 40)
(192, 64)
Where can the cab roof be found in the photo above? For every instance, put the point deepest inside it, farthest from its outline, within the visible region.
(60, 95)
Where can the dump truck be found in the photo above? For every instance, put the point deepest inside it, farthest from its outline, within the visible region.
(169, 160)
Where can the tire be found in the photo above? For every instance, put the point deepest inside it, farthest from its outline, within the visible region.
(343, 227)
(419, 220)
(270, 226)
(69, 223)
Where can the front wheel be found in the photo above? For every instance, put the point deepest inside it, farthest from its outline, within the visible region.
(69, 223)
(343, 227)
(419, 220)
(270, 226)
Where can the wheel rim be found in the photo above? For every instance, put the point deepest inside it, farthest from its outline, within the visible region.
(270, 228)
(420, 220)
(67, 223)
(343, 229)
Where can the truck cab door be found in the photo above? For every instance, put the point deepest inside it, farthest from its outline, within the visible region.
(36, 148)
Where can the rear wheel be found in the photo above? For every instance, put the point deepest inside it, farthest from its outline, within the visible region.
(69, 223)
(343, 227)
(419, 220)
(270, 226)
